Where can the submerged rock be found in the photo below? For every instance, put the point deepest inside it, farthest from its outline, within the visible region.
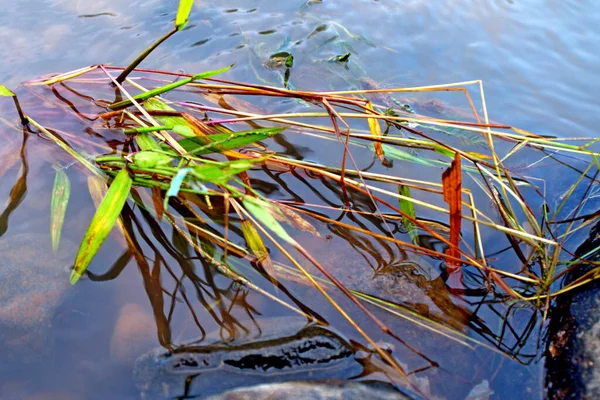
(573, 341)
(333, 389)
(33, 284)
(134, 333)
(284, 351)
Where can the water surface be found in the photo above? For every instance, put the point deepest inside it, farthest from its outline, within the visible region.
(537, 60)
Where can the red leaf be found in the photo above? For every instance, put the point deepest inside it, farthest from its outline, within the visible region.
(452, 183)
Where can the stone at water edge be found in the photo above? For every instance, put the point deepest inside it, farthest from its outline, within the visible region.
(332, 389)
(283, 349)
(33, 284)
(573, 339)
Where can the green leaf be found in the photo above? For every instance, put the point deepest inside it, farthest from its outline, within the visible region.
(401, 155)
(150, 159)
(183, 13)
(58, 205)
(103, 221)
(150, 93)
(256, 244)
(200, 145)
(264, 212)
(223, 171)
(176, 122)
(408, 208)
(146, 142)
(183, 130)
(208, 74)
(167, 88)
(4, 91)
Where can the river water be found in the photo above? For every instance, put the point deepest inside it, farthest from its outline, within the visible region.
(536, 60)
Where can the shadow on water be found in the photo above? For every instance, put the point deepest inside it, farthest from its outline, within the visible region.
(19, 189)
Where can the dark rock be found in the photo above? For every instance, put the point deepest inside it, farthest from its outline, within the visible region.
(573, 338)
(284, 350)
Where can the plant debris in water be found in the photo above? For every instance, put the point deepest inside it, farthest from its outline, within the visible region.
(184, 162)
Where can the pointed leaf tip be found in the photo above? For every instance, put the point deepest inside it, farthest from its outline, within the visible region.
(208, 74)
(4, 91)
(103, 221)
(75, 276)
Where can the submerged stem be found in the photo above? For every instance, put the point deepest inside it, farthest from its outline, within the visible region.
(143, 55)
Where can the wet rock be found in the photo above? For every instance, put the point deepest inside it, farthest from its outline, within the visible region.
(481, 391)
(573, 339)
(134, 334)
(33, 284)
(334, 389)
(55, 395)
(282, 351)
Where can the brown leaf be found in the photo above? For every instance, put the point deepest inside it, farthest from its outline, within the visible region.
(157, 200)
(296, 220)
(452, 183)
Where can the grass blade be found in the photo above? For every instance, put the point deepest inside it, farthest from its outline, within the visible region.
(408, 208)
(256, 244)
(105, 218)
(201, 145)
(167, 88)
(58, 205)
(375, 129)
(183, 13)
(264, 212)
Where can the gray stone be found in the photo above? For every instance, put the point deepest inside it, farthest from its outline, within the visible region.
(333, 389)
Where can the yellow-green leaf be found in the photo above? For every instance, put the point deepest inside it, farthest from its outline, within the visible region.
(200, 145)
(146, 142)
(155, 104)
(208, 74)
(4, 91)
(408, 208)
(264, 212)
(106, 215)
(375, 129)
(183, 13)
(258, 247)
(58, 206)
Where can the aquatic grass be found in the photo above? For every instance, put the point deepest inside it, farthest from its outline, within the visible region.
(58, 206)
(186, 159)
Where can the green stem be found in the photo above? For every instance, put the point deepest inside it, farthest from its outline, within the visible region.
(142, 56)
(146, 129)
